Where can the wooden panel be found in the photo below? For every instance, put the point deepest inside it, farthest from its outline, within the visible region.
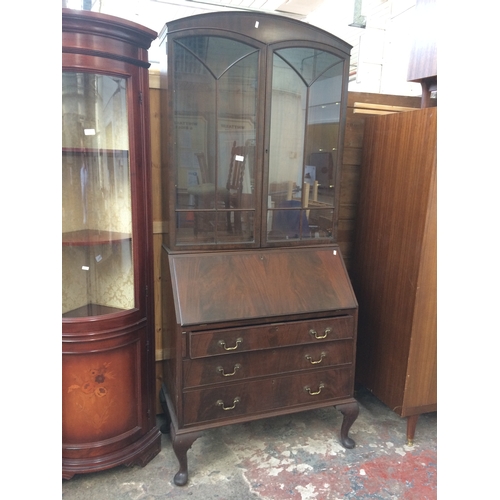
(398, 168)
(421, 385)
(350, 184)
(352, 159)
(355, 125)
(423, 55)
(102, 394)
(156, 191)
(390, 100)
(352, 156)
(218, 287)
(159, 379)
(159, 227)
(157, 201)
(347, 211)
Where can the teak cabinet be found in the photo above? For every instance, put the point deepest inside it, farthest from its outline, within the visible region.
(260, 316)
(394, 268)
(107, 333)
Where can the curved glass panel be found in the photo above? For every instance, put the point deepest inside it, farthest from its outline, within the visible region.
(304, 135)
(215, 112)
(97, 264)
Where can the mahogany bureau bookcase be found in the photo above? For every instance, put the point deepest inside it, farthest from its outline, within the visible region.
(259, 314)
(108, 395)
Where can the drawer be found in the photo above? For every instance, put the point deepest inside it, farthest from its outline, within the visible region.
(230, 401)
(231, 340)
(245, 365)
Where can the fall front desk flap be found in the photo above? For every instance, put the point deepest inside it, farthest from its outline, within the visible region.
(241, 285)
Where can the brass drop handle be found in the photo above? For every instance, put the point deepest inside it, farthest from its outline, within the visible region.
(236, 400)
(237, 366)
(314, 333)
(309, 358)
(239, 340)
(308, 389)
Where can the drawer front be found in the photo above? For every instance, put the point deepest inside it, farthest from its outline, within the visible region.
(233, 340)
(225, 369)
(236, 400)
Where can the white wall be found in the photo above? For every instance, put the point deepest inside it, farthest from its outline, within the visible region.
(381, 50)
(380, 53)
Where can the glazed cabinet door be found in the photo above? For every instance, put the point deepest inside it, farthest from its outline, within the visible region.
(305, 111)
(255, 133)
(97, 235)
(216, 103)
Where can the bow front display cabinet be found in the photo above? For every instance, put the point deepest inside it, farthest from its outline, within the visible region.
(259, 314)
(108, 376)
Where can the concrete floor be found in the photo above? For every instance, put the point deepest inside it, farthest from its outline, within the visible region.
(294, 457)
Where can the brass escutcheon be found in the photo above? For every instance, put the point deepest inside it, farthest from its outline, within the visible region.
(314, 333)
(239, 340)
(309, 358)
(308, 389)
(237, 366)
(236, 400)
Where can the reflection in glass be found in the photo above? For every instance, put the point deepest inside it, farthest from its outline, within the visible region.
(215, 110)
(97, 265)
(305, 115)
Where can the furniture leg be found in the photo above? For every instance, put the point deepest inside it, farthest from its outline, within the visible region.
(411, 425)
(350, 412)
(181, 444)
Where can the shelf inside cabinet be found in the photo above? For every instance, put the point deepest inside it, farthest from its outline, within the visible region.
(94, 152)
(91, 310)
(90, 237)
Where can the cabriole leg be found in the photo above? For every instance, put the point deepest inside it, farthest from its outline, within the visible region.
(181, 445)
(350, 412)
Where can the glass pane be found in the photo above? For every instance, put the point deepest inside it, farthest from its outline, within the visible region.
(289, 223)
(97, 272)
(305, 115)
(320, 222)
(215, 108)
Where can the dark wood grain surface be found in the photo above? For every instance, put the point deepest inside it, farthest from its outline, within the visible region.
(234, 367)
(267, 394)
(217, 287)
(249, 338)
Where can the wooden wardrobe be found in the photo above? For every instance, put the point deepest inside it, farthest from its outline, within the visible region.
(394, 271)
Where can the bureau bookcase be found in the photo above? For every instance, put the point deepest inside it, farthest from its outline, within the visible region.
(259, 314)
